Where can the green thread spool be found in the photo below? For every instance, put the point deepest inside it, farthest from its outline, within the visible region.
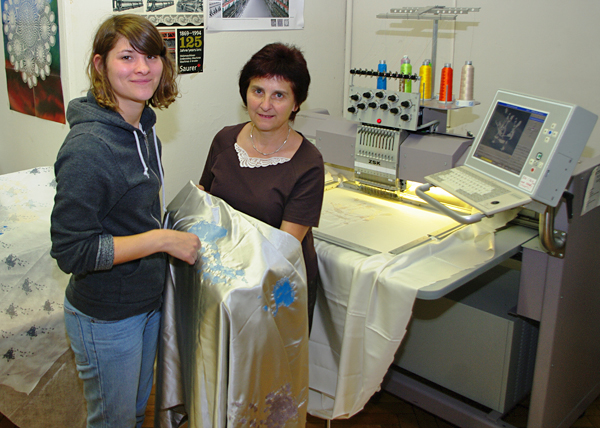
(406, 68)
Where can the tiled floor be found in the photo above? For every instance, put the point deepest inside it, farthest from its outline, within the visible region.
(386, 411)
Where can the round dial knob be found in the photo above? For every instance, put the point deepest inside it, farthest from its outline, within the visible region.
(394, 110)
(354, 97)
(352, 109)
(405, 104)
(393, 98)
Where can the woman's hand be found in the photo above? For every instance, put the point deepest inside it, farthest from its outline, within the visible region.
(181, 245)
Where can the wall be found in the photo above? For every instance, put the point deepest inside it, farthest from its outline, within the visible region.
(543, 48)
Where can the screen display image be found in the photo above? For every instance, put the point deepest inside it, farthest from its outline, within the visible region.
(509, 137)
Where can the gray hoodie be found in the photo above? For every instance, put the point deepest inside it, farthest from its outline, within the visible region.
(108, 176)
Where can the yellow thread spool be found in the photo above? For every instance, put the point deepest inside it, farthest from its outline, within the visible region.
(425, 74)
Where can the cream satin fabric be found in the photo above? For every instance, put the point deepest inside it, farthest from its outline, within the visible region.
(234, 341)
(364, 307)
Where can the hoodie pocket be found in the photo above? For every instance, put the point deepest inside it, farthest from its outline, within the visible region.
(145, 283)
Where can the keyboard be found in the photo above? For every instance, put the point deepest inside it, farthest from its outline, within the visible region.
(470, 185)
(484, 193)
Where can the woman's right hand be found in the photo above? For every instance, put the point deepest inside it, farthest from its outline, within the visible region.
(183, 246)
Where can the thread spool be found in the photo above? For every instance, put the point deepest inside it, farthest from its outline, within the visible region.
(381, 81)
(425, 74)
(406, 68)
(467, 78)
(446, 84)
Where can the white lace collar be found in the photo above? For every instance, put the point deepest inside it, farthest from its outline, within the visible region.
(247, 162)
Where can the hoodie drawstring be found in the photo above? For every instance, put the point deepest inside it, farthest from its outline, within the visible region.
(160, 170)
(158, 161)
(139, 149)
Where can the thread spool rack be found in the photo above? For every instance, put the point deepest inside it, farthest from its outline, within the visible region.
(435, 14)
(387, 74)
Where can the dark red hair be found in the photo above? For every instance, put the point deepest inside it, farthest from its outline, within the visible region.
(280, 61)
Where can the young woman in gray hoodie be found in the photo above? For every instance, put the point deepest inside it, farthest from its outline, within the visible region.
(106, 222)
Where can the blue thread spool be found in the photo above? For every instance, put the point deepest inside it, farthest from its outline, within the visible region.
(381, 81)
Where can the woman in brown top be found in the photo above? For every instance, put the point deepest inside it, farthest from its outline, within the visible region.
(263, 167)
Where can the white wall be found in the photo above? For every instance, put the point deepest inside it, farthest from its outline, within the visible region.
(540, 47)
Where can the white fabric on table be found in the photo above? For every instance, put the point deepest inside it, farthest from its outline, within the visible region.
(32, 287)
(364, 307)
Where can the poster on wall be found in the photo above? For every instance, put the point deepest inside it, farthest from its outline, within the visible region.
(32, 58)
(181, 23)
(240, 15)
(186, 45)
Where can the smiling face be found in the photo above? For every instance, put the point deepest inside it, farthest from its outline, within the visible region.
(270, 102)
(133, 76)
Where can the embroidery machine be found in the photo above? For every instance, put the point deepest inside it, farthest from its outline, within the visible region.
(526, 322)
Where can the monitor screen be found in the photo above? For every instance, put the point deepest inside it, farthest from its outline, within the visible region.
(531, 143)
(509, 136)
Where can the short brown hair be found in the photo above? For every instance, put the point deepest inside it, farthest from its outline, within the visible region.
(280, 61)
(144, 38)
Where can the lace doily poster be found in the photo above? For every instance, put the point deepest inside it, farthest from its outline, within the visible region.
(32, 58)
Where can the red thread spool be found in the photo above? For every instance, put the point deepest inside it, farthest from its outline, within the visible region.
(446, 85)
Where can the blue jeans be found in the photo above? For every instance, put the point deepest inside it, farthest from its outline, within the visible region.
(115, 360)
